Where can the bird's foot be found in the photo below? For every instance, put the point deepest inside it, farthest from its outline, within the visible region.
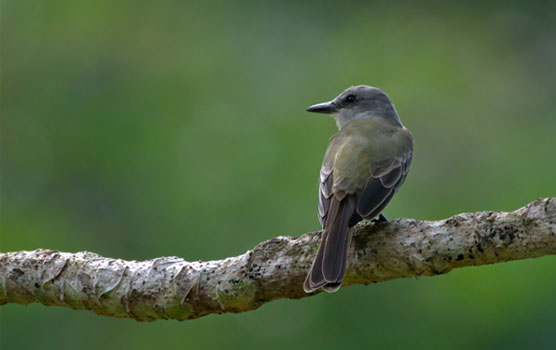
(379, 219)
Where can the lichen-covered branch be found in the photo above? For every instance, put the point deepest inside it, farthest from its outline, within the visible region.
(172, 288)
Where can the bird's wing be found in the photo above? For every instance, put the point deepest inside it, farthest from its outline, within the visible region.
(338, 175)
(387, 174)
(327, 179)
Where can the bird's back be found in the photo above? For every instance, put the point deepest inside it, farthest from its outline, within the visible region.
(358, 147)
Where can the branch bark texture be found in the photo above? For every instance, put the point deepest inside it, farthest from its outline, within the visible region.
(172, 288)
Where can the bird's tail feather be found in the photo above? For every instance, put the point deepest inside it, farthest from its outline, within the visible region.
(329, 267)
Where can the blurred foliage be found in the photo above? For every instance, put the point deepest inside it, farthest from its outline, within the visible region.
(143, 129)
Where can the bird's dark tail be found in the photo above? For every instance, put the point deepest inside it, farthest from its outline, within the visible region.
(329, 267)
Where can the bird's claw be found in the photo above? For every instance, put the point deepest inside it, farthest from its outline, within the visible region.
(379, 219)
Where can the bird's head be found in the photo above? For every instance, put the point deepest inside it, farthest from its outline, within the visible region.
(358, 102)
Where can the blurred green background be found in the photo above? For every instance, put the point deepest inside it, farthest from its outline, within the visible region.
(144, 129)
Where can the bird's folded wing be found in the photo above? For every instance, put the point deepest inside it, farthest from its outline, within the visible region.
(387, 174)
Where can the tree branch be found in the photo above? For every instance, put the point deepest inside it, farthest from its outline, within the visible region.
(172, 288)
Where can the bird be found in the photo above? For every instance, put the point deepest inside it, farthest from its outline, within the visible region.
(364, 166)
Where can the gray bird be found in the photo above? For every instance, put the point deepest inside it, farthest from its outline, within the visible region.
(364, 166)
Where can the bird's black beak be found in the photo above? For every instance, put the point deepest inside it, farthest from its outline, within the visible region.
(326, 108)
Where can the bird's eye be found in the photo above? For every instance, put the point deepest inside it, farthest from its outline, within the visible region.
(350, 98)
